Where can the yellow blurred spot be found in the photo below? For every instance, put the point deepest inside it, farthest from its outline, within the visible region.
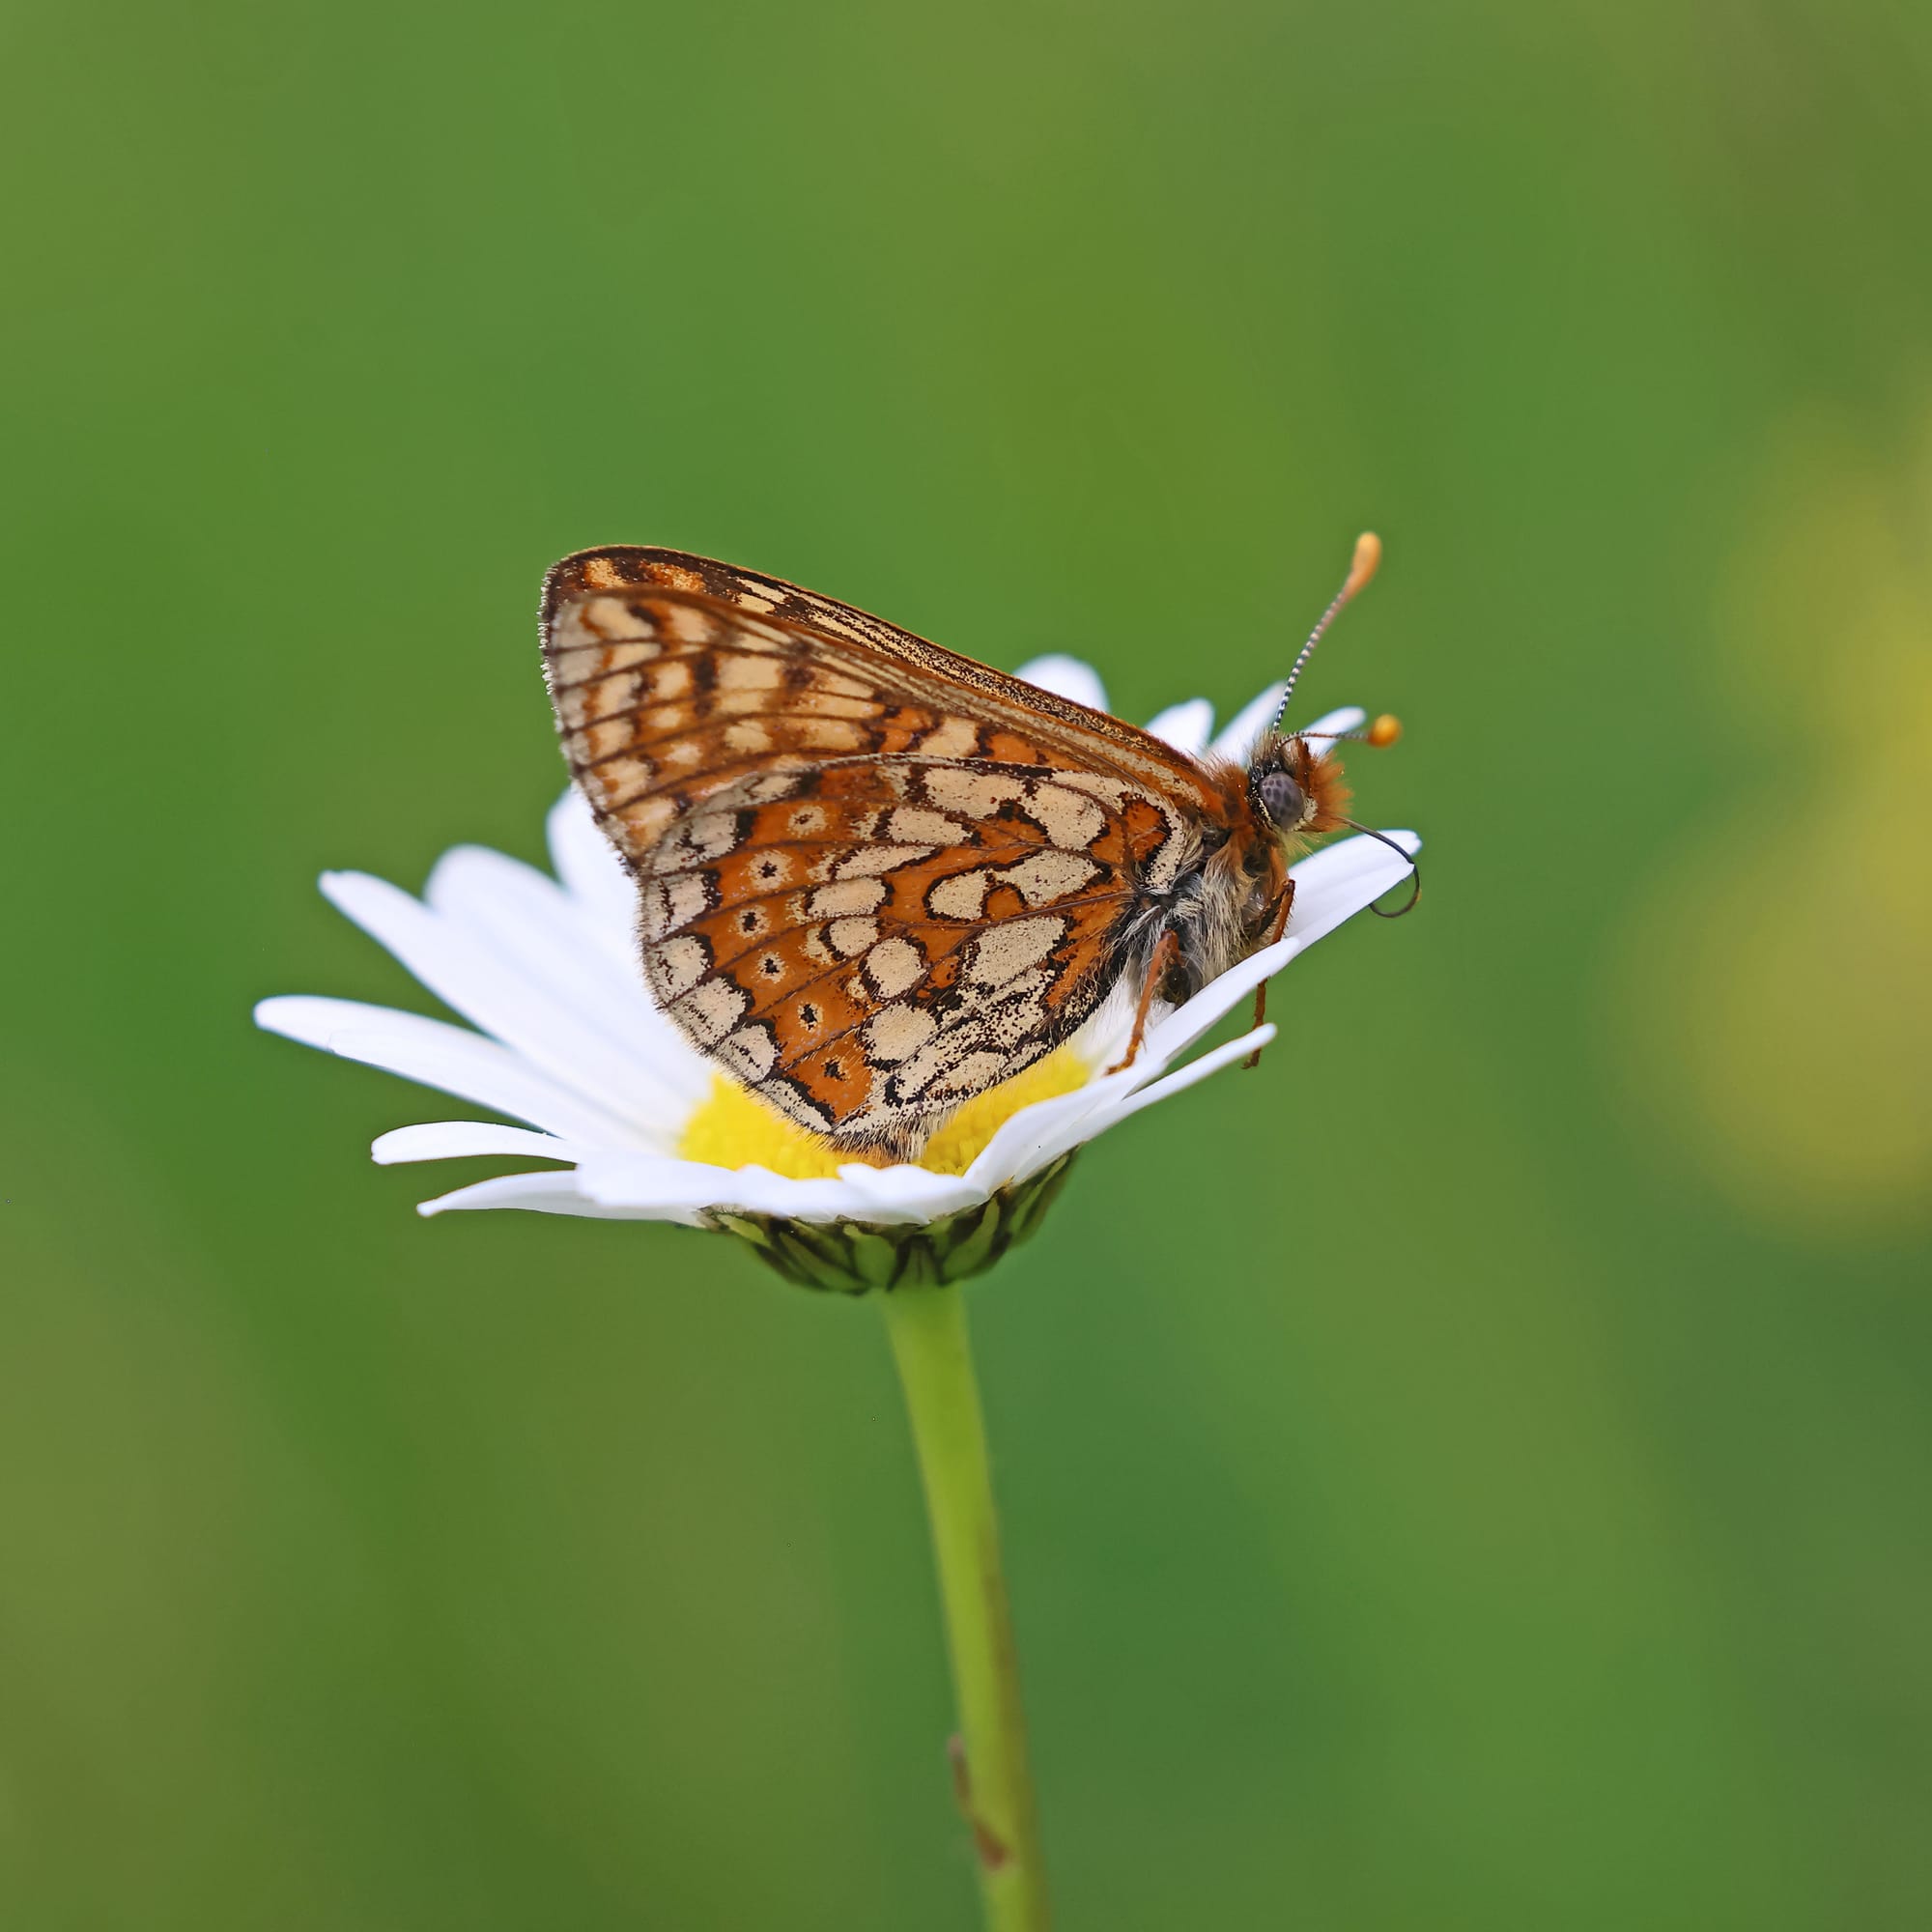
(732, 1129)
(1776, 982)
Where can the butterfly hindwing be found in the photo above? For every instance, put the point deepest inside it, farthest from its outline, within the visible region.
(872, 942)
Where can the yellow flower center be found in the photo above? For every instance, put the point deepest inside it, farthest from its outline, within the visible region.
(732, 1129)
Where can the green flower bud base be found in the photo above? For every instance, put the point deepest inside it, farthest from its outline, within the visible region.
(855, 1257)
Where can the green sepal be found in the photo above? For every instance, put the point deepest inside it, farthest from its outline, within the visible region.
(856, 1257)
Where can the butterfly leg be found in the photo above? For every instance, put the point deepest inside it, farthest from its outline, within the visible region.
(1164, 956)
(1275, 931)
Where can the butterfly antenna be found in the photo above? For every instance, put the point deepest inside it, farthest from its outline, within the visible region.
(1385, 732)
(1361, 567)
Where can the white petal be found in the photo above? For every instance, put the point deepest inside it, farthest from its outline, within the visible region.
(1035, 1135)
(907, 1193)
(521, 918)
(1104, 1038)
(1067, 677)
(1329, 888)
(450, 1058)
(503, 1000)
(647, 1183)
(1186, 1024)
(1027, 1141)
(592, 873)
(1240, 733)
(1185, 726)
(1115, 1101)
(459, 1140)
(1190, 1075)
(542, 1194)
(685, 1186)
(843, 1199)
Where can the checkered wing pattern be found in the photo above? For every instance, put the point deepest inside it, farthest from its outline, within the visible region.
(874, 879)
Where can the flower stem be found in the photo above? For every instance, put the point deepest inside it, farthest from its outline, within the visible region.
(928, 1326)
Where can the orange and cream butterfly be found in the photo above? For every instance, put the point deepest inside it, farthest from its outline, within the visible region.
(874, 879)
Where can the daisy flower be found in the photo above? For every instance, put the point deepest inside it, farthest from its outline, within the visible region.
(638, 1126)
(641, 1125)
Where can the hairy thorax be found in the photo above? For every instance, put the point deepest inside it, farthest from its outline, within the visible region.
(1232, 892)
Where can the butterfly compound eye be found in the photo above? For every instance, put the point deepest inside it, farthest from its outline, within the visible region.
(1281, 799)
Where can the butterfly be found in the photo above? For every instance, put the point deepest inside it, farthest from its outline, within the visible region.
(875, 878)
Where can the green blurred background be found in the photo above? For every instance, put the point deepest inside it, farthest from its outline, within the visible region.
(1473, 1473)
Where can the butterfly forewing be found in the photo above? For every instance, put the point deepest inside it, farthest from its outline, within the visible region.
(875, 879)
